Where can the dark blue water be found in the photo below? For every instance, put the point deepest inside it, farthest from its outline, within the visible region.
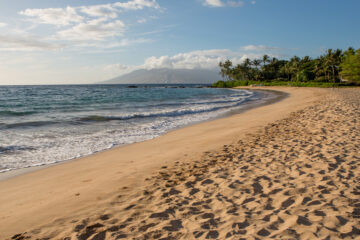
(46, 124)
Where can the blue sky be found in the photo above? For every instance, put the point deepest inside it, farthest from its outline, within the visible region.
(68, 42)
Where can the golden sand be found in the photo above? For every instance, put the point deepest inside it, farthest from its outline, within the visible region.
(289, 170)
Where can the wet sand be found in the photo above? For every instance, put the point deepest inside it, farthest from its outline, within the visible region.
(288, 170)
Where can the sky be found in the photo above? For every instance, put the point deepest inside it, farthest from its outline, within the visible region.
(80, 42)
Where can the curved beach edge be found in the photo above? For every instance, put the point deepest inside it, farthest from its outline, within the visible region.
(77, 189)
(267, 97)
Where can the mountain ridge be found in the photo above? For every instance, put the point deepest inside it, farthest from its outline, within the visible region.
(166, 76)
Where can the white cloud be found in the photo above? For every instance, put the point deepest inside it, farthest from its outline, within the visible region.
(26, 43)
(137, 4)
(253, 2)
(106, 10)
(91, 23)
(93, 30)
(200, 59)
(55, 16)
(115, 70)
(3, 24)
(117, 67)
(142, 20)
(206, 59)
(260, 48)
(112, 10)
(103, 45)
(68, 15)
(223, 3)
(214, 3)
(235, 3)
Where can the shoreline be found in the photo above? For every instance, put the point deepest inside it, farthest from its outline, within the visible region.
(73, 188)
(277, 96)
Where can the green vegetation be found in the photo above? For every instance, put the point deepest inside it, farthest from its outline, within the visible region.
(351, 65)
(333, 69)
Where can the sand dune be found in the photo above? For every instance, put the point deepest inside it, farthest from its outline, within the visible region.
(294, 175)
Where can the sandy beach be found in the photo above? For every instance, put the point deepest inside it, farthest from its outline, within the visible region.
(288, 170)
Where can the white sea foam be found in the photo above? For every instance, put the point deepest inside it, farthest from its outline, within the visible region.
(80, 135)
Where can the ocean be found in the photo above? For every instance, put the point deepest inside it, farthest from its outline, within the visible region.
(41, 125)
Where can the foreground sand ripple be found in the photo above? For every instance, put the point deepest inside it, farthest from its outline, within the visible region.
(298, 178)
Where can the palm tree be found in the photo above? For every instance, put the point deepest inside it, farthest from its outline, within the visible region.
(326, 68)
(239, 72)
(337, 56)
(332, 62)
(318, 66)
(273, 63)
(329, 61)
(226, 69)
(287, 70)
(247, 62)
(247, 67)
(306, 59)
(256, 64)
(274, 60)
(265, 60)
(350, 51)
(222, 70)
(295, 65)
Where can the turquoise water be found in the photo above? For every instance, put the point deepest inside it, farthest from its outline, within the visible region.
(46, 124)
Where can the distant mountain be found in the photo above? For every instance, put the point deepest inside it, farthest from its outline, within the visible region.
(167, 76)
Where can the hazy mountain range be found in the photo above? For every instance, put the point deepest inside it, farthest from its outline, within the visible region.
(167, 76)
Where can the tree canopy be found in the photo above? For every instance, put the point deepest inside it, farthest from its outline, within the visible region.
(334, 66)
(351, 65)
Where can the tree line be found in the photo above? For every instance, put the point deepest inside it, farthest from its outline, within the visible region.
(335, 66)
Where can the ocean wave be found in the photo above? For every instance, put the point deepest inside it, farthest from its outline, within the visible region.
(11, 149)
(171, 113)
(187, 109)
(15, 113)
(69, 128)
(28, 124)
(225, 100)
